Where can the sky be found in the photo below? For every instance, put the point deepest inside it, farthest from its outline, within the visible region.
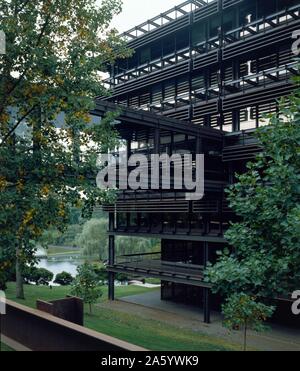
(138, 11)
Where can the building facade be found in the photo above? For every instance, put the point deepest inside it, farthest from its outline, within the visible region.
(202, 76)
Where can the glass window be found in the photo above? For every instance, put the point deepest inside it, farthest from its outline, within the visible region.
(214, 25)
(282, 4)
(229, 20)
(198, 33)
(266, 7)
(179, 138)
(246, 10)
(156, 50)
(145, 55)
(182, 39)
(133, 61)
(168, 45)
(165, 140)
(121, 220)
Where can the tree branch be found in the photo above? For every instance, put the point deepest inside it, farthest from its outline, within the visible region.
(17, 124)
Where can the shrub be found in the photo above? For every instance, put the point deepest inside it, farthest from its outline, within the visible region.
(63, 279)
(40, 276)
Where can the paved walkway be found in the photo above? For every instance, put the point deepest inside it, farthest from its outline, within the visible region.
(150, 306)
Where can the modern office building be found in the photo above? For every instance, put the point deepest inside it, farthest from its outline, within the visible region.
(200, 79)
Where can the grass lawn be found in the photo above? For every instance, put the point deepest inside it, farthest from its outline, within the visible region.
(5, 348)
(32, 293)
(61, 250)
(153, 335)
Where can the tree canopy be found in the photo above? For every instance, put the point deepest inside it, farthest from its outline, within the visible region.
(49, 77)
(264, 258)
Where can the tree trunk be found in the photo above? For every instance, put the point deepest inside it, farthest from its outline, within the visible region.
(245, 337)
(19, 277)
(90, 308)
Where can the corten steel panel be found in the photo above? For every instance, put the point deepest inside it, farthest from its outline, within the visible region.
(39, 331)
(70, 309)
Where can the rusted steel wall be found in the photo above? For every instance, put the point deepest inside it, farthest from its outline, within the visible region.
(69, 309)
(41, 331)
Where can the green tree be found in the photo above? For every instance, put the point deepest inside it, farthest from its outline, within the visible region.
(133, 245)
(64, 279)
(264, 258)
(243, 312)
(93, 239)
(86, 285)
(40, 276)
(49, 77)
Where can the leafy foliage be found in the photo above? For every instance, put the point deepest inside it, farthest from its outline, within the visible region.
(40, 276)
(265, 258)
(102, 273)
(93, 239)
(242, 311)
(133, 245)
(64, 279)
(48, 78)
(86, 285)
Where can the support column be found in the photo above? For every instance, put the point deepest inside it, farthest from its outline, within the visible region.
(206, 291)
(157, 141)
(111, 258)
(206, 305)
(111, 275)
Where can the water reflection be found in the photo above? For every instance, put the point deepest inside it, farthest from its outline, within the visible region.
(58, 266)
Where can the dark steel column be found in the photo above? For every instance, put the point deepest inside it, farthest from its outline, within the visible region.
(206, 305)
(157, 141)
(111, 258)
(111, 275)
(206, 291)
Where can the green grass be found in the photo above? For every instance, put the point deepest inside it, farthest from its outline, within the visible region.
(148, 333)
(61, 250)
(5, 348)
(151, 334)
(32, 293)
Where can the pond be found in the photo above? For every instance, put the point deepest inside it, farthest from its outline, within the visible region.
(58, 266)
(63, 263)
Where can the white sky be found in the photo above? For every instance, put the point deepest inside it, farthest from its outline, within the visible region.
(138, 11)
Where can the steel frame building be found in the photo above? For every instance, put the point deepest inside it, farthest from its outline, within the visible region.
(201, 78)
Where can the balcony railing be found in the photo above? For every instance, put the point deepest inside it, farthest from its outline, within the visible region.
(151, 265)
(164, 19)
(257, 27)
(262, 25)
(138, 258)
(262, 79)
